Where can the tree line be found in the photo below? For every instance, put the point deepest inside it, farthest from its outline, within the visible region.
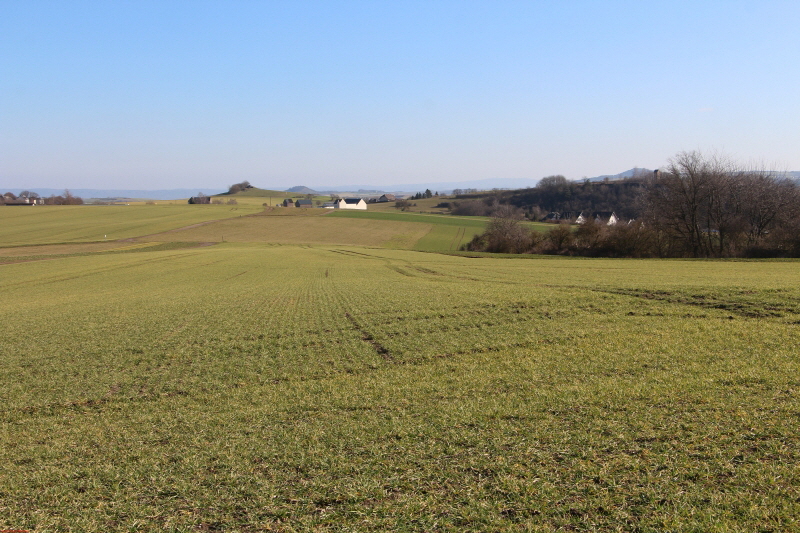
(697, 206)
(557, 194)
(66, 198)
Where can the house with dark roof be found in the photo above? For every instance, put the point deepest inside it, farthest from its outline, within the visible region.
(387, 198)
(350, 203)
(304, 203)
(288, 203)
(559, 216)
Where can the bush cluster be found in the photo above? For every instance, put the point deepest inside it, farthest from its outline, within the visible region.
(595, 239)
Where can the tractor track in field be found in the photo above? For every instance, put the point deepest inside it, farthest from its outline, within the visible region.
(367, 337)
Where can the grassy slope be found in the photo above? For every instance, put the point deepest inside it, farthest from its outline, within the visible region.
(317, 227)
(446, 232)
(248, 388)
(74, 225)
(68, 224)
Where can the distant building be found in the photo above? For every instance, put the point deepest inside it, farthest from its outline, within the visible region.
(23, 201)
(557, 216)
(609, 218)
(288, 203)
(387, 198)
(304, 203)
(350, 203)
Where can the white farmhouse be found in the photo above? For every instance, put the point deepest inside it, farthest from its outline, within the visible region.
(350, 203)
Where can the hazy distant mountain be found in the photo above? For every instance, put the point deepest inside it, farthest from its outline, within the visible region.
(441, 186)
(437, 186)
(301, 189)
(622, 175)
(161, 194)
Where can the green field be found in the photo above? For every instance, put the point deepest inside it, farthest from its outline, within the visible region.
(86, 223)
(446, 233)
(282, 385)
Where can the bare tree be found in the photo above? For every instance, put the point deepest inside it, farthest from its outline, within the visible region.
(711, 207)
(772, 200)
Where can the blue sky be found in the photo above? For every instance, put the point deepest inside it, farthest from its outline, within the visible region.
(167, 94)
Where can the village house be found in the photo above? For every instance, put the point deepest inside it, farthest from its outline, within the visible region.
(556, 216)
(387, 198)
(304, 203)
(10, 199)
(609, 218)
(350, 203)
(288, 203)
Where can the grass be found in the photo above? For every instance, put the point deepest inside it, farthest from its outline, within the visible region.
(248, 387)
(295, 227)
(446, 233)
(73, 224)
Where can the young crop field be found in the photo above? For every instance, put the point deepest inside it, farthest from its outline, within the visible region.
(252, 387)
(303, 226)
(446, 233)
(85, 223)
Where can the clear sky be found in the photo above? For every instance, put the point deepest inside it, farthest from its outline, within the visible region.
(167, 94)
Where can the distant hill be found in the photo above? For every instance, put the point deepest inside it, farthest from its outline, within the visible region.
(260, 193)
(302, 189)
(622, 175)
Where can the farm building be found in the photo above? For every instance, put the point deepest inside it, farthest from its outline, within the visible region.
(387, 198)
(11, 199)
(304, 203)
(556, 216)
(350, 203)
(609, 218)
(288, 203)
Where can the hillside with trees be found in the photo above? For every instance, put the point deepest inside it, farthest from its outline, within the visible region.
(697, 206)
(556, 194)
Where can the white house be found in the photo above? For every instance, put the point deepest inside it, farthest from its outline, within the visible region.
(609, 218)
(350, 203)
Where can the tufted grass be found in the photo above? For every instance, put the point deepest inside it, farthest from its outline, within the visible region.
(251, 387)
